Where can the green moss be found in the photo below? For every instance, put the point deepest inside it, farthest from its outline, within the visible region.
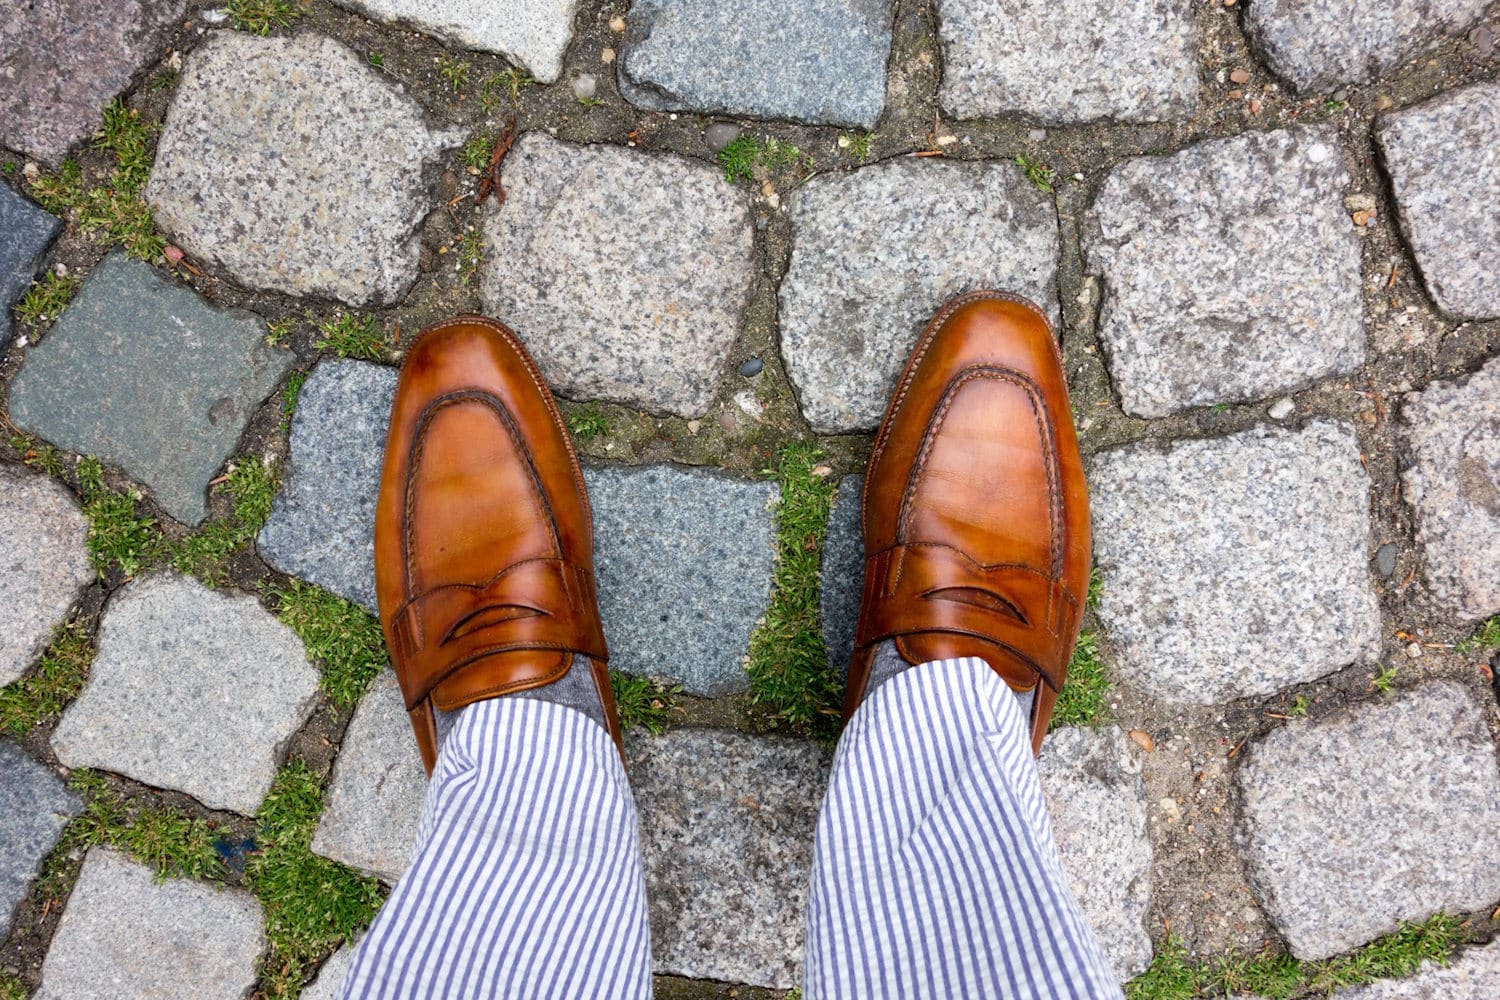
(45, 300)
(792, 685)
(1172, 975)
(251, 484)
(341, 636)
(11, 988)
(643, 702)
(259, 16)
(312, 905)
(352, 335)
(172, 843)
(511, 81)
(587, 422)
(289, 394)
(1037, 172)
(46, 691)
(740, 158)
(476, 152)
(118, 537)
(1485, 638)
(470, 254)
(857, 144)
(1082, 699)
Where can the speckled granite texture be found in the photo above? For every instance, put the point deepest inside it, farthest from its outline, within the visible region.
(1452, 432)
(727, 828)
(1097, 804)
(245, 181)
(34, 807)
(374, 799)
(683, 559)
(25, 233)
(44, 553)
(1444, 161)
(126, 934)
(1064, 61)
(586, 230)
(322, 523)
(1235, 566)
(1231, 271)
(64, 60)
(1389, 811)
(1323, 44)
(807, 60)
(876, 252)
(534, 33)
(841, 579)
(240, 686)
(143, 372)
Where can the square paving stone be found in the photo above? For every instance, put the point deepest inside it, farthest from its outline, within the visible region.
(1319, 45)
(684, 561)
(142, 372)
(808, 60)
(1064, 61)
(876, 252)
(62, 61)
(841, 579)
(34, 807)
(378, 785)
(291, 163)
(126, 936)
(625, 273)
(322, 523)
(1236, 566)
(1452, 433)
(25, 234)
(1444, 162)
(192, 689)
(1387, 812)
(1096, 799)
(534, 33)
(44, 565)
(1231, 271)
(726, 838)
(1473, 975)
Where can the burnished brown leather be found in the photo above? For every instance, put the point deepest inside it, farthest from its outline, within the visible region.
(484, 561)
(975, 516)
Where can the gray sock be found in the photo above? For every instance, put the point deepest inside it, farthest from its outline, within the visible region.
(888, 663)
(574, 689)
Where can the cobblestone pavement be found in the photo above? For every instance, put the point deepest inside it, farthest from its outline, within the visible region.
(1269, 234)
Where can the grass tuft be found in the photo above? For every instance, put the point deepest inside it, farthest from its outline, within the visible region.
(470, 254)
(352, 335)
(587, 422)
(1485, 638)
(289, 394)
(511, 82)
(476, 152)
(45, 300)
(252, 486)
(791, 681)
(342, 636)
(11, 988)
(1037, 172)
(279, 333)
(38, 454)
(740, 158)
(311, 904)
(455, 72)
(1082, 699)
(643, 701)
(174, 844)
(857, 144)
(1172, 975)
(259, 16)
(44, 693)
(117, 536)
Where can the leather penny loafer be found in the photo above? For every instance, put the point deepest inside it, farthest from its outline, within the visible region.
(976, 521)
(484, 561)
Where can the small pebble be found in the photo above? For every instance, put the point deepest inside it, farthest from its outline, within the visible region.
(1414, 650)
(1037, 134)
(1363, 216)
(1236, 94)
(585, 86)
(1240, 76)
(1341, 95)
(745, 400)
(1318, 152)
(1360, 202)
(1281, 409)
(752, 368)
(617, 24)
(1255, 105)
(1385, 560)
(1384, 103)
(728, 422)
(1483, 40)
(720, 134)
(215, 17)
(607, 56)
(1143, 740)
(1170, 809)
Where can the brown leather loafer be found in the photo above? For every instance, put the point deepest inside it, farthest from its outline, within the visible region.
(976, 519)
(484, 547)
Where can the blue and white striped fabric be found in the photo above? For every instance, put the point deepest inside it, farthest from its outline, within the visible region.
(934, 874)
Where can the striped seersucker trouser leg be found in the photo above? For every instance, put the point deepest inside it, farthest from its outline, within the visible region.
(934, 874)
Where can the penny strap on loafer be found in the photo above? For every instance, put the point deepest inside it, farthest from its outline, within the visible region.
(926, 587)
(536, 604)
